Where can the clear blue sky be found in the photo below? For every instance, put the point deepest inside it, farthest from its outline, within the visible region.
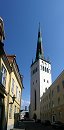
(21, 19)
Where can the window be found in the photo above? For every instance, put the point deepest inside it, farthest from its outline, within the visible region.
(44, 80)
(35, 70)
(49, 95)
(41, 67)
(19, 96)
(45, 69)
(47, 81)
(36, 81)
(15, 110)
(63, 83)
(12, 88)
(63, 96)
(4, 74)
(33, 83)
(35, 99)
(49, 71)
(16, 91)
(58, 88)
(52, 104)
(49, 104)
(58, 100)
(52, 93)
(10, 111)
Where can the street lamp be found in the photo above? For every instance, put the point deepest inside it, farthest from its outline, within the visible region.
(13, 99)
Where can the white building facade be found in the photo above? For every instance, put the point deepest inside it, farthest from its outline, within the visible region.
(40, 78)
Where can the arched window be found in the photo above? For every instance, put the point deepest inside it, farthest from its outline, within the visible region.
(45, 69)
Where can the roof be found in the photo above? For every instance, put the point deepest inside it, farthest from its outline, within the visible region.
(11, 58)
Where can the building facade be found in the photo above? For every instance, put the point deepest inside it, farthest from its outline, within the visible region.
(15, 90)
(52, 102)
(4, 72)
(40, 78)
(11, 86)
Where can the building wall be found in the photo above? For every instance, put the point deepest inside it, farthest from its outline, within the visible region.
(52, 108)
(45, 106)
(5, 86)
(9, 107)
(16, 105)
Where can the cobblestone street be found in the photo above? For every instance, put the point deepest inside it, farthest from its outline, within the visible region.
(28, 125)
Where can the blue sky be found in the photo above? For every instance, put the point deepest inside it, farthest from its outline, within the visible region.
(21, 20)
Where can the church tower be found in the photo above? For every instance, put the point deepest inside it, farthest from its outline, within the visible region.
(40, 78)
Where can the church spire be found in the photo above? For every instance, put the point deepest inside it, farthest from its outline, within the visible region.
(39, 51)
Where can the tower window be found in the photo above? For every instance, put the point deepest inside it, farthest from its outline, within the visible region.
(41, 67)
(36, 69)
(45, 69)
(44, 80)
(33, 83)
(49, 71)
(47, 81)
(36, 81)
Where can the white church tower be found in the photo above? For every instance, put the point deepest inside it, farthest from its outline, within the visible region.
(40, 78)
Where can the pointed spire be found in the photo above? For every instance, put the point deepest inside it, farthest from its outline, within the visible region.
(39, 31)
(39, 51)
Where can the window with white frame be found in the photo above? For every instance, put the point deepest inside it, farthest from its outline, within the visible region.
(10, 111)
(4, 74)
(17, 91)
(12, 87)
(19, 95)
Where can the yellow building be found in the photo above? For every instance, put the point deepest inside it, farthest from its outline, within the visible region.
(10, 86)
(46, 105)
(4, 85)
(15, 90)
(52, 102)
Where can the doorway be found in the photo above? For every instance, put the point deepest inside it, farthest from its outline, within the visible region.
(53, 118)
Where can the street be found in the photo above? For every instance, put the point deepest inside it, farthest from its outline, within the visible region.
(30, 125)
